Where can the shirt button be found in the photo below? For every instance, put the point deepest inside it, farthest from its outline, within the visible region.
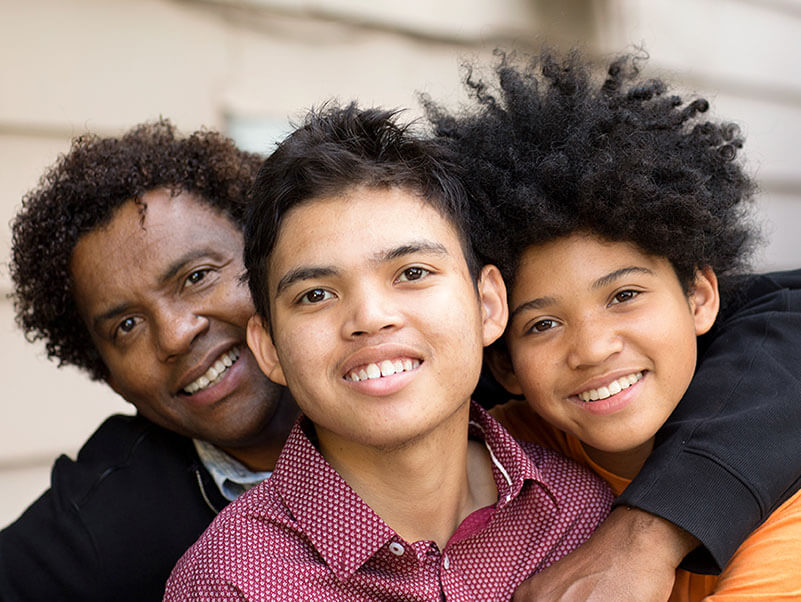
(446, 562)
(396, 548)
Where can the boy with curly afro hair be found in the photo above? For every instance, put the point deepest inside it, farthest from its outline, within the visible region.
(127, 263)
(621, 208)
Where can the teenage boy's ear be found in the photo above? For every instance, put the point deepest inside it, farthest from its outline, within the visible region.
(494, 310)
(704, 299)
(497, 358)
(261, 345)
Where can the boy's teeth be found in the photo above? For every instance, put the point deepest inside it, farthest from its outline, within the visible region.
(384, 368)
(613, 388)
(214, 373)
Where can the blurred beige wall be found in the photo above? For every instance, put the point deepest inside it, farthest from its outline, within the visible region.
(67, 66)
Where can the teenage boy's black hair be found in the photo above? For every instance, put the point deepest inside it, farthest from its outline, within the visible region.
(548, 151)
(80, 194)
(337, 149)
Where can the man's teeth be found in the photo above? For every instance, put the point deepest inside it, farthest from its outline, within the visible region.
(613, 388)
(214, 374)
(385, 368)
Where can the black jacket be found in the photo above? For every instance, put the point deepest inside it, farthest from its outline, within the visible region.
(114, 522)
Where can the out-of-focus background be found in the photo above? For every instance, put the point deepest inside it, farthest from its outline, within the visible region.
(248, 66)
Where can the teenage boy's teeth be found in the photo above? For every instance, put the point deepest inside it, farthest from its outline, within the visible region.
(384, 368)
(613, 388)
(214, 374)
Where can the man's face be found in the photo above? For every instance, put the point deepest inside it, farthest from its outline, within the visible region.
(602, 338)
(161, 298)
(377, 326)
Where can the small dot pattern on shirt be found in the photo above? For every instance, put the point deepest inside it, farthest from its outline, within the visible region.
(306, 535)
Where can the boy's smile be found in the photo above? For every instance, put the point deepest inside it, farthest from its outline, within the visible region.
(377, 324)
(602, 339)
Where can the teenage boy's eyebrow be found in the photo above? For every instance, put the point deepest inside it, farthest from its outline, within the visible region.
(601, 282)
(312, 272)
(612, 276)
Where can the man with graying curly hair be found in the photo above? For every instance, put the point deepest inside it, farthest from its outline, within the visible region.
(126, 262)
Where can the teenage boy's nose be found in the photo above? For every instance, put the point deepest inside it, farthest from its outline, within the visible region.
(175, 331)
(590, 344)
(371, 313)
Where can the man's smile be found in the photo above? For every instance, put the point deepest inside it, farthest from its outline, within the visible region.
(215, 372)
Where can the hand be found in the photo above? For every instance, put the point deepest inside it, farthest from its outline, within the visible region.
(632, 556)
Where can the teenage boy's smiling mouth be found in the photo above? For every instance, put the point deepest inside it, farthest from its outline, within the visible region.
(613, 387)
(215, 372)
(381, 369)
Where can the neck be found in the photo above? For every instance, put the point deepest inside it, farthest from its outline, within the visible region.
(423, 489)
(626, 464)
(261, 454)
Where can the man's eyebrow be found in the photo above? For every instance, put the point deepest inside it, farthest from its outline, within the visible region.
(303, 273)
(601, 282)
(110, 314)
(612, 276)
(190, 256)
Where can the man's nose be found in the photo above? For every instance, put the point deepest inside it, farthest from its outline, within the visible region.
(177, 329)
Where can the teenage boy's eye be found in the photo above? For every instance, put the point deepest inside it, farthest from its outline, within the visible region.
(315, 296)
(543, 325)
(624, 296)
(414, 273)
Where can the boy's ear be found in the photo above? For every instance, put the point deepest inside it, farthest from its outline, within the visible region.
(261, 344)
(500, 365)
(492, 296)
(705, 299)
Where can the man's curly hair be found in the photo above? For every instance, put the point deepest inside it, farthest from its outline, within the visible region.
(547, 150)
(81, 192)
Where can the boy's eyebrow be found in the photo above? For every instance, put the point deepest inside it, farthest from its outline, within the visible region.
(312, 272)
(601, 282)
(612, 276)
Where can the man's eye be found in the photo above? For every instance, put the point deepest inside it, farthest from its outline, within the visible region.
(196, 276)
(414, 273)
(316, 295)
(624, 296)
(127, 325)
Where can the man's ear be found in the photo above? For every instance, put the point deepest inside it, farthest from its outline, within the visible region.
(497, 358)
(704, 299)
(261, 345)
(492, 296)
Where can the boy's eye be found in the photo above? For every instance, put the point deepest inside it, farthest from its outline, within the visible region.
(315, 296)
(413, 273)
(543, 325)
(624, 296)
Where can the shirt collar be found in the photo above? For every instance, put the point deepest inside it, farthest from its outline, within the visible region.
(231, 476)
(346, 532)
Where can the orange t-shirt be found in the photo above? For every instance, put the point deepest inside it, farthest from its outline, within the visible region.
(763, 567)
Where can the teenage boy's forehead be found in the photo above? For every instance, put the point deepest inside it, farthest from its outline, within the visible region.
(374, 225)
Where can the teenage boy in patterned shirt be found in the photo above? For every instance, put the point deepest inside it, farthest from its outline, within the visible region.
(374, 311)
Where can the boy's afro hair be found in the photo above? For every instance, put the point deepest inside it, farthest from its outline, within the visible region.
(547, 151)
(81, 192)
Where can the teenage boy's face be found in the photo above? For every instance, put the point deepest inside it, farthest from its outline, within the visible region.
(602, 338)
(377, 326)
(160, 294)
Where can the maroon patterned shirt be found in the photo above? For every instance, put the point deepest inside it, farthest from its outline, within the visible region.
(304, 534)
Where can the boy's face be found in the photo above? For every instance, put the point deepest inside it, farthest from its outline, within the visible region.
(602, 338)
(377, 326)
